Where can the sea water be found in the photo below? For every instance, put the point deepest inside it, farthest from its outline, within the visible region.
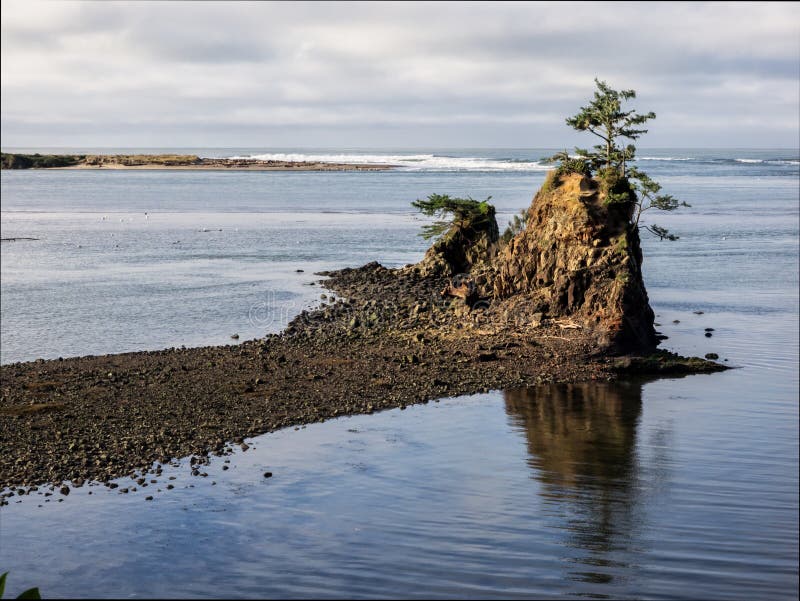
(673, 488)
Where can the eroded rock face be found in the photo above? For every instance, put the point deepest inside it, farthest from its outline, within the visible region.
(579, 259)
(467, 247)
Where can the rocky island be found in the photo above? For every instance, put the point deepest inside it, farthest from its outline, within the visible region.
(559, 297)
(562, 301)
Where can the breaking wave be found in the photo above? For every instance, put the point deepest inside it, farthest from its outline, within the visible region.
(770, 161)
(520, 163)
(409, 162)
(723, 160)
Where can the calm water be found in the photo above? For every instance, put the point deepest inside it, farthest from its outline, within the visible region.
(676, 488)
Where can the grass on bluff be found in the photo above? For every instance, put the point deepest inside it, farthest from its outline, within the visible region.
(39, 161)
(49, 161)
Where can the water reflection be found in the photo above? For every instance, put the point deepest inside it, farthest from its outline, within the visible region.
(582, 445)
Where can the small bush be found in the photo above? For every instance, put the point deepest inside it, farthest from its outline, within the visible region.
(517, 224)
(31, 593)
(39, 161)
(567, 165)
(461, 212)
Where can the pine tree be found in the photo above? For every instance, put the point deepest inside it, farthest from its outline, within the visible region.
(517, 224)
(452, 211)
(605, 118)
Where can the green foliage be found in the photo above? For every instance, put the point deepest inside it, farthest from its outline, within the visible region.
(662, 233)
(568, 164)
(453, 211)
(31, 593)
(605, 118)
(515, 226)
(38, 161)
(617, 189)
(45, 161)
(648, 197)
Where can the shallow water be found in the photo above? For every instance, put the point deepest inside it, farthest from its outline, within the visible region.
(666, 489)
(115, 249)
(675, 488)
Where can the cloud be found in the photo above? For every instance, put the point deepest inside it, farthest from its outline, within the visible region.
(378, 74)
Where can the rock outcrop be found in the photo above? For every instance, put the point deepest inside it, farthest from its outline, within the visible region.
(577, 263)
(579, 259)
(469, 246)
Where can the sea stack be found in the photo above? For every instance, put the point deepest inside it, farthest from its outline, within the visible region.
(468, 246)
(579, 259)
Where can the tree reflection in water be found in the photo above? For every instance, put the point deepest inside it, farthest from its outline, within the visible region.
(582, 445)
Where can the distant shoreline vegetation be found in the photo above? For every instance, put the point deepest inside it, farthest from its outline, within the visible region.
(49, 161)
(168, 161)
(38, 161)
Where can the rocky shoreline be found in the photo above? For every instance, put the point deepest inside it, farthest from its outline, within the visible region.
(468, 318)
(173, 162)
(101, 418)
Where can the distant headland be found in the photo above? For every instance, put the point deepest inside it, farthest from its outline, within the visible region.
(170, 161)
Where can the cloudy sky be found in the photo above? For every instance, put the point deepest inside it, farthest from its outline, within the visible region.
(160, 74)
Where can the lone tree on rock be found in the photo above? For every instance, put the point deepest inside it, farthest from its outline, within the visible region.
(461, 212)
(518, 223)
(605, 118)
(466, 235)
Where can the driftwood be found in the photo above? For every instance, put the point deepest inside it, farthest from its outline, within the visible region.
(15, 239)
(461, 287)
(565, 324)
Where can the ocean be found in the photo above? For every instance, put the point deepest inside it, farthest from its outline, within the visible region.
(672, 488)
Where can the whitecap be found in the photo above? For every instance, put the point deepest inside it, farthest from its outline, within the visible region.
(408, 162)
(664, 159)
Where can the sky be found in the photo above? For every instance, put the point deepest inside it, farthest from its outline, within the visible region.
(392, 75)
